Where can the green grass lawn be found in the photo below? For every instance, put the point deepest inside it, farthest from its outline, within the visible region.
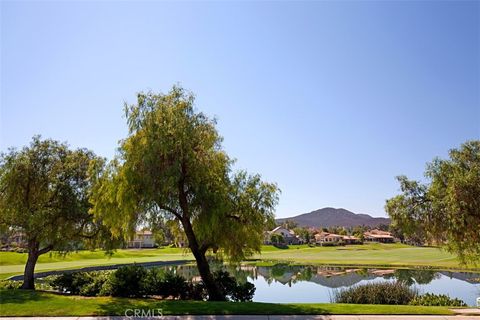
(35, 303)
(12, 263)
(396, 255)
(388, 255)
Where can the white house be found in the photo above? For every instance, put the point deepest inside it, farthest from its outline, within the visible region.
(289, 236)
(142, 239)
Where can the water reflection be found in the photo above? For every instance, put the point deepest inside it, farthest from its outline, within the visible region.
(296, 283)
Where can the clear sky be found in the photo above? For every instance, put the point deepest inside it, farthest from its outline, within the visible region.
(331, 100)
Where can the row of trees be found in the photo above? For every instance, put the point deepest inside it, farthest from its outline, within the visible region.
(170, 169)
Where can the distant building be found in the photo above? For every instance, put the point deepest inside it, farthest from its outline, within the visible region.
(335, 239)
(328, 238)
(376, 235)
(351, 240)
(288, 236)
(142, 239)
(13, 240)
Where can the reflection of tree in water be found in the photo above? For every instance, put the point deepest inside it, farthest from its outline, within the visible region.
(241, 273)
(410, 277)
(328, 276)
(285, 274)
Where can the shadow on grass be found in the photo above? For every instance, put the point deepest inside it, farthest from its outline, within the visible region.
(21, 296)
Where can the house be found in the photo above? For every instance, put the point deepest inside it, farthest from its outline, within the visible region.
(351, 240)
(13, 239)
(376, 235)
(288, 236)
(328, 238)
(142, 239)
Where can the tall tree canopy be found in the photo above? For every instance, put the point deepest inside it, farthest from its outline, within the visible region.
(447, 208)
(44, 191)
(172, 165)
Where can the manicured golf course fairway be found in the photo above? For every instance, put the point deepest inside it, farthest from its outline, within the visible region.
(35, 303)
(388, 255)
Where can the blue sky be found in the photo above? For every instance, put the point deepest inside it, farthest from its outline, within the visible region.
(331, 100)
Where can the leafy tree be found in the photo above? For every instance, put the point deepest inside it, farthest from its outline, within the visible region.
(416, 238)
(358, 231)
(44, 192)
(289, 224)
(303, 233)
(172, 165)
(270, 225)
(447, 208)
(276, 239)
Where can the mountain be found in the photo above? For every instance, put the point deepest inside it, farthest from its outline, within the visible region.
(328, 217)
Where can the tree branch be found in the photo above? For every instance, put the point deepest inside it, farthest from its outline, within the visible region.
(204, 247)
(45, 250)
(171, 210)
(235, 217)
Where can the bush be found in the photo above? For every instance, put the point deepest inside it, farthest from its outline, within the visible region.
(82, 283)
(243, 292)
(232, 289)
(69, 282)
(196, 291)
(152, 281)
(430, 299)
(126, 281)
(95, 286)
(10, 284)
(225, 282)
(173, 285)
(376, 293)
(136, 281)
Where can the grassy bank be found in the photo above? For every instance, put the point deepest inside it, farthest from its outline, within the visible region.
(388, 255)
(31, 303)
(12, 263)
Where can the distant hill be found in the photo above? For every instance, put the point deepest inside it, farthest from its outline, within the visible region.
(328, 217)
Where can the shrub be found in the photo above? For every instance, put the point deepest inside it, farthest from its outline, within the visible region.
(173, 285)
(430, 299)
(225, 282)
(68, 282)
(196, 291)
(95, 285)
(126, 281)
(136, 281)
(10, 284)
(232, 289)
(243, 292)
(376, 293)
(152, 281)
(82, 283)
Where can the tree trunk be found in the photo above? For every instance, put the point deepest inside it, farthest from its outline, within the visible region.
(28, 279)
(214, 293)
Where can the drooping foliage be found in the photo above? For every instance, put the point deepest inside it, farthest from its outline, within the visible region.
(44, 190)
(447, 207)
(172, 165)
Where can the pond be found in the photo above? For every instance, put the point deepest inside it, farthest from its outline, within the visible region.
(292, 283)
